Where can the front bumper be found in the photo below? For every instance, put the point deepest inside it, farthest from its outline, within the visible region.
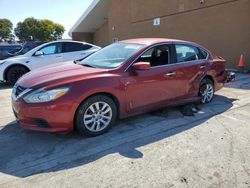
(44, 117)
(1, 73)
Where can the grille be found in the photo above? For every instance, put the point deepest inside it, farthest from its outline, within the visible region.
(19, 90)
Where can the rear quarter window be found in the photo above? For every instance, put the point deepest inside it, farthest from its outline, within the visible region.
(203, 54)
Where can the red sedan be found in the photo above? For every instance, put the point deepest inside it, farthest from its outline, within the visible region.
(123, 79)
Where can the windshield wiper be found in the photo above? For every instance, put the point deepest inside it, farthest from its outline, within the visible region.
(76, 62)
(79, 63)
(87, 65)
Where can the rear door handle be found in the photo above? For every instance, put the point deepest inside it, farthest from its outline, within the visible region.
(171, 74)
(202, 66)
(58, 56)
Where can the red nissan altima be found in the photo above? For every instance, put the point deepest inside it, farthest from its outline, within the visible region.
(123, 79)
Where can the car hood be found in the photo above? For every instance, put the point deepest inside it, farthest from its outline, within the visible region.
(59, 74)
(17, 58)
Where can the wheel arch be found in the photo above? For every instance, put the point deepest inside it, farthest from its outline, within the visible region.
(208, 77)
(110, 95)
(13, 65)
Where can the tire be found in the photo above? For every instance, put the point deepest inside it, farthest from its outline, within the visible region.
(206, 91)
(16, 72)
(96, 115)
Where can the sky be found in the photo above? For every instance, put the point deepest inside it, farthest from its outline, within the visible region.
(65, 12)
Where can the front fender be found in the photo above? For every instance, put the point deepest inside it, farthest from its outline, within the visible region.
(106, 85)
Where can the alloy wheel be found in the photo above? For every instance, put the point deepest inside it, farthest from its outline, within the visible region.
(97, 116)
(207, 93)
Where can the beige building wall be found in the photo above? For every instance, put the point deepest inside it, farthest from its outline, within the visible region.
(223, 26)
(86, 37)
(120, 19)
(101, 36)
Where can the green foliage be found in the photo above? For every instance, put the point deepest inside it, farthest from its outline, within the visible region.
(39, 30)
(58, 31)
(5, 30)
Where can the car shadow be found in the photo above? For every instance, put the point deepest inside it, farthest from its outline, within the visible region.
(26, 153)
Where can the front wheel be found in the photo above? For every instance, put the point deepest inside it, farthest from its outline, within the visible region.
(14, 73)
(96, 115)
(206, 91)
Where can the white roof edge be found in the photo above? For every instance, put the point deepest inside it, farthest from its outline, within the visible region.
(84, 15)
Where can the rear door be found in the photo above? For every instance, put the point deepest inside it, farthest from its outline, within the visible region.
(75, 51)
(190, 67)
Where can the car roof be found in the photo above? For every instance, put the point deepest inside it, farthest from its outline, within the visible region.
(73, 41)
(65, 40)
(150, 41)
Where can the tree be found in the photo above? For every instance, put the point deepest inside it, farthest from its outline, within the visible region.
(38, 30)
(27, 30)
(58, 31)
(5, 29)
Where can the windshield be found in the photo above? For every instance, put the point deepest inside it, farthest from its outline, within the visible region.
(112, 56)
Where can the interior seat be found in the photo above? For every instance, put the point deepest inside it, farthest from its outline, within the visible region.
(190, 56)
(163, 59)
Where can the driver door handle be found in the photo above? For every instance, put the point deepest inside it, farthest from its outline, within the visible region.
(171, 74)
(202, 66)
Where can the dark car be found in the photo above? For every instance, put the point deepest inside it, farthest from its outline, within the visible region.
(27, 47)
(121, 80)
(7, 50)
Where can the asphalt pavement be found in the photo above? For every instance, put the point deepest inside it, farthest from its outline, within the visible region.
(160, 149)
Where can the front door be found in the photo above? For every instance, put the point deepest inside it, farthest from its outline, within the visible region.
(51, 53)
(157, 85)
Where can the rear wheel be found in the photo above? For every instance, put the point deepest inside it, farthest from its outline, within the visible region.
(14, 73)
(206, 91)
(96, 115)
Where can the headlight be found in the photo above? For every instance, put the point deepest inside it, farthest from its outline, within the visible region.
(42, 95)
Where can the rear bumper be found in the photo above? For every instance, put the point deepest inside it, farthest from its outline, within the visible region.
(224, 78)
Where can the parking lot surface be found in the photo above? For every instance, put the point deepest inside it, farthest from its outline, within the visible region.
(161, 149)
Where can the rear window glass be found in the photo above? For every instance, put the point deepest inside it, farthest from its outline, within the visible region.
(186, 53)
(74, 47)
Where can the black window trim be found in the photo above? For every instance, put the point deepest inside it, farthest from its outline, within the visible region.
(173, 54)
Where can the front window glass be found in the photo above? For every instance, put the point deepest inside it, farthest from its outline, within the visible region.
(157, 56)
(112, 56)
(51, 49)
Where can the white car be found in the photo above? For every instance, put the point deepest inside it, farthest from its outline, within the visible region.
(12, 69)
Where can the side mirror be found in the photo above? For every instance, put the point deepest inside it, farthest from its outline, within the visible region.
(141, 66)
(38, 53)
